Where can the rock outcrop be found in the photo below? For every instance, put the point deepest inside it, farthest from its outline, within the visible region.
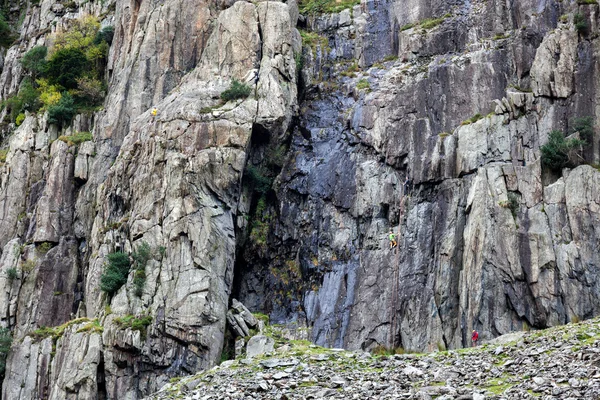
(283, 198)
(559, 363)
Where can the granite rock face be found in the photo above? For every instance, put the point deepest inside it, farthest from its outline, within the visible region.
(284, 199)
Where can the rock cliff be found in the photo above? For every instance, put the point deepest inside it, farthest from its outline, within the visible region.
(283, 198)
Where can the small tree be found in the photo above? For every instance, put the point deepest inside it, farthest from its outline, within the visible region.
(66, 65)
(62, 112)
(559, 152)
(237, 90)
(115, 273)
(34, 61)
(140, 258)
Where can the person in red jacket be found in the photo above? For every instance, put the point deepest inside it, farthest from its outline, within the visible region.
(474, 338)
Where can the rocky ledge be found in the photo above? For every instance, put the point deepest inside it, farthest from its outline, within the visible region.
(557, 363)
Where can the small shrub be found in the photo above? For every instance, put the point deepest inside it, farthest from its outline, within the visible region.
(513, 204)
(583, 125)
(105, 35)
(313, 40)
(363, 84)
(560, 153)
(7, 36)
(115, 273)
(49, 94)
(25, 100)
(580, 23)
(140, 258)
(90, 90)
(237, 90)
(12, 273)
(5, 343)
(34, 61)
(28, 266)
(407, 27)
(257, 179)
(45, 247)
(62, 113)
(19, 120)
(66, 66)
(3, 155)
(134, 323)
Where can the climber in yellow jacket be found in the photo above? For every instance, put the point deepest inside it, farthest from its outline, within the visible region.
(154, 111)
(392, 237)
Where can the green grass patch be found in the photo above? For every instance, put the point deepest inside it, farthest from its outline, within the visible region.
(77, 138)
(363, 84)
(134, 323)
(473, 119)
(313, 40)
(237, 90)
(315, 7)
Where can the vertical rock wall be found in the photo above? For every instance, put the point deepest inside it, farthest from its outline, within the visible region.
(488, 239)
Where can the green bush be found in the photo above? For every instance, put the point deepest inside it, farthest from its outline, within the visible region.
(7, 36)
(136, 324)
(5, 342)
(115, 273)
(62, 112)
(66, 66)
(583, 125)
(580, 23)
(105, 35)
(257, 179)
(19, 120)
(26, 100)
(560, 153)
(237, 90)
(12, 273)
(34, 61)
(140, 258)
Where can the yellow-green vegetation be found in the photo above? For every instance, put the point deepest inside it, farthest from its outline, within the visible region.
(45, 247)
(66, 78)
(473, 119)
(313, 40)
(134, 323)
(351, 71)
(92, 327)
(428, 23)
(28, 266)
(363, 84)
(312, 7)
(77, 138)
(20, 118)
(287, 273)
(260, 223)
(261, 317)
(56, 332)
(587, 2)
(501, 36)
(3, 154)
